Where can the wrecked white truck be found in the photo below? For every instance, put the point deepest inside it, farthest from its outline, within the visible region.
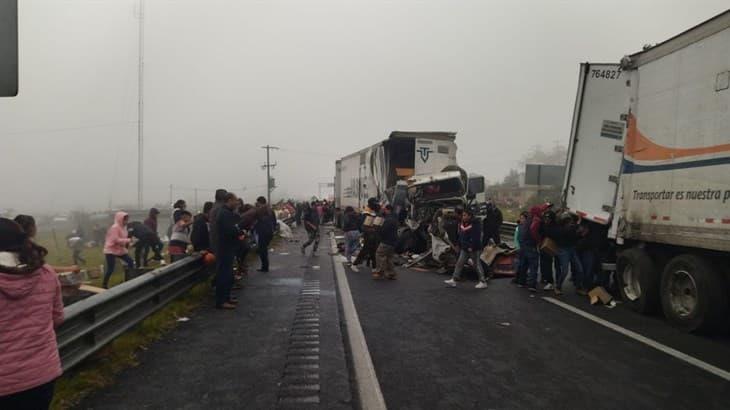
(374, 172)
(431, 223)
(417, 173)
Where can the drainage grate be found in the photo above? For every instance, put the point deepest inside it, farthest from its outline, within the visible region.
(299, 387)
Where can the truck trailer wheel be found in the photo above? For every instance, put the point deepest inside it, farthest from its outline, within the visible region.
(638, 280)
(694, 296)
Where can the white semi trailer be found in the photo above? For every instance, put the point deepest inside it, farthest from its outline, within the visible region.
(649, 159)
(374, 171)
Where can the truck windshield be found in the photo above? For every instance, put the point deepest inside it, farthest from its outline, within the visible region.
(439, 189)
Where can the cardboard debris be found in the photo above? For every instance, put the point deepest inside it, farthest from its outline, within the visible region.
(92, 289)
(599, 294)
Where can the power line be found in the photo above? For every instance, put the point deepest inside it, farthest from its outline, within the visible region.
(62, 129)
(297, 151)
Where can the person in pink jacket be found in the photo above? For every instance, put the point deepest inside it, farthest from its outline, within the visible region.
(116, 245)
(30, 309)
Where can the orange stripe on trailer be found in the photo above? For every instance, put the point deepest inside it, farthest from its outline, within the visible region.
(710, 220)
(654, 217)
(600, 220)
(726, 221)
(640, 147)
(581, 214)
(665, 218)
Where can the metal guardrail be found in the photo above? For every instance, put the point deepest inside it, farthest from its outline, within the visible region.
(92, 323)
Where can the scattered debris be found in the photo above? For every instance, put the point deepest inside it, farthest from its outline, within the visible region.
(92, 289)
(505, 324)
(183, 319)
(612, 304)
(315, 267)
(285, 231)
(418, 259)
(599, 294)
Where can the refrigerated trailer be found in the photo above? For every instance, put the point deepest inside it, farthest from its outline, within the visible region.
(373, 172)
(649, 159)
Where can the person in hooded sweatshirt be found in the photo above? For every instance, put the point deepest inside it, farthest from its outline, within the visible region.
(116, 245)
(31, 308)
(530, 237)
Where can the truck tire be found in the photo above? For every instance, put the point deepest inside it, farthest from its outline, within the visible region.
(694, 295)
(638, 280)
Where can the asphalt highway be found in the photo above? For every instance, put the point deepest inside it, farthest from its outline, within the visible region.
(431, 347)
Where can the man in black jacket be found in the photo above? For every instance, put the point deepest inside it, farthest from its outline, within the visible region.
(265, 223)
(200, 237)
(220, 195)
(146, 239)
(565, 235)
(369, 226)
(491, 224)
(386, 249)
(228, 235)
(310, 218)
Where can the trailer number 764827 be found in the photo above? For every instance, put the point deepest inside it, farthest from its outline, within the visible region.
(607, 74)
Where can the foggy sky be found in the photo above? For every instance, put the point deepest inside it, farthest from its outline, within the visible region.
(320, 79)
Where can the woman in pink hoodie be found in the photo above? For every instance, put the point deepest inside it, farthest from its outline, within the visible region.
(30, 309)
(116, 245)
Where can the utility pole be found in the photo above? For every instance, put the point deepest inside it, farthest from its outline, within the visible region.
(140, 110)
(268, 167)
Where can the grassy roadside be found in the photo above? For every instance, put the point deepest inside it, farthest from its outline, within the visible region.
(59, 254)
(100, 370)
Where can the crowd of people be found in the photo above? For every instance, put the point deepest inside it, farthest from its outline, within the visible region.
(553, 243)
(31, 303)
(550, 244)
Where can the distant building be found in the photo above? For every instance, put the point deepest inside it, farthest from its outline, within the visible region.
(549, 176)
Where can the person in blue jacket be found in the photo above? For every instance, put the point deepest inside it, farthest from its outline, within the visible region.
(469, 245)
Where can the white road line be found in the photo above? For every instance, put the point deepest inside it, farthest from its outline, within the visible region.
(643, 339)
(368, 387)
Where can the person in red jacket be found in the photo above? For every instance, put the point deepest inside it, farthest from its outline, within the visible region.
(530, 237)
(30, 309)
